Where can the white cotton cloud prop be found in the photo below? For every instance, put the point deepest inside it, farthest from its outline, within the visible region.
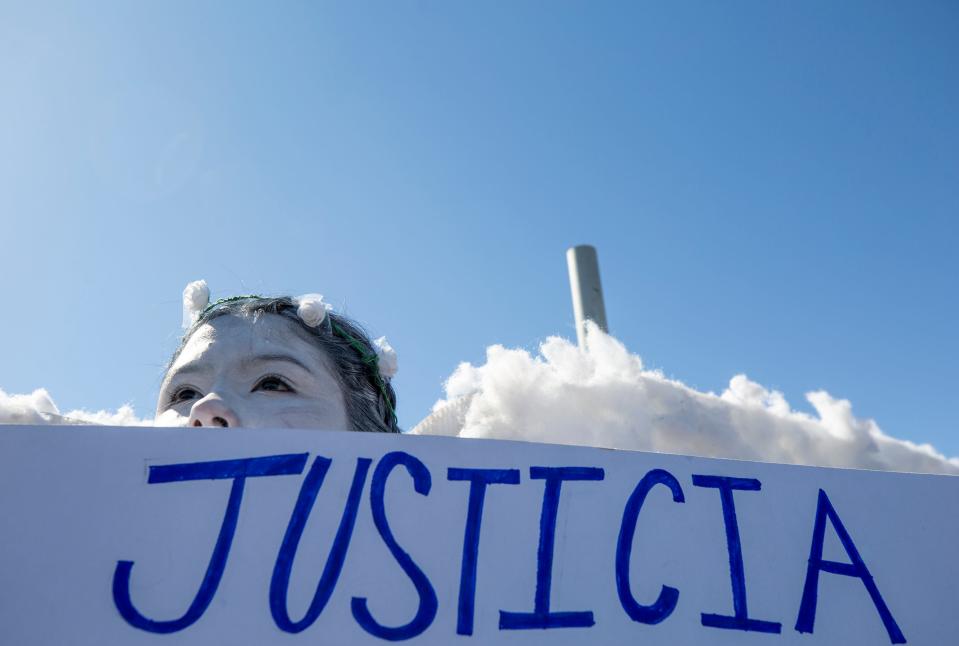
(196, 296)
(38, 408)
(311, 309)
(602, 396)
(386, 358)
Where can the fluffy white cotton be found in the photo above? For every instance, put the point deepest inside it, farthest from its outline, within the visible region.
(196, 296)
(311, 309)
(123, 416)
(38, 408)
(34, 408)
(602, 396)
(386, 358)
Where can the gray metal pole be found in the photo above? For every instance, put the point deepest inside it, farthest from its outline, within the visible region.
(586, 289)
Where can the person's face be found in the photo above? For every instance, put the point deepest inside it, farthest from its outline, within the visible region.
(237, 371)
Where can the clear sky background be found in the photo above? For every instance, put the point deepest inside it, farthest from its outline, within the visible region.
(773, 188)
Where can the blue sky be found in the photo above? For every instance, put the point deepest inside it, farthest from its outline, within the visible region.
(772, 189)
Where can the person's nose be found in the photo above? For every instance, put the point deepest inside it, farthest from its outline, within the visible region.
(213, 411)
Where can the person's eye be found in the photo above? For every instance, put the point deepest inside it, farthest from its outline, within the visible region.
(272, 383)
(184, 394)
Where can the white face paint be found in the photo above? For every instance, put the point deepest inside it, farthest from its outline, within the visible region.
(255, 373)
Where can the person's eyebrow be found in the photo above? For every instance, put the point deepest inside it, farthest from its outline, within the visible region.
(283, 358)
(194, 367)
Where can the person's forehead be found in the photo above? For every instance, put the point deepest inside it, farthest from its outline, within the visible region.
(233, 337)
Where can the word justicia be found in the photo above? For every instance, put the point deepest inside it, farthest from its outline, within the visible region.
(475, 482)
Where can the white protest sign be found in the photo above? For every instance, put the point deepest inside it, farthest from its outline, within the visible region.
(196, 536)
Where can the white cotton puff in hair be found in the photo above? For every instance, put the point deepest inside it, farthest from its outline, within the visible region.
(311, 309)
(196, 296)
(385, 358)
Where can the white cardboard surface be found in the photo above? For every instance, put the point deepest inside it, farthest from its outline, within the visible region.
(76, 501)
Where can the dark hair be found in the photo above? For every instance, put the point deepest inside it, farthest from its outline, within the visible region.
(370, 400)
